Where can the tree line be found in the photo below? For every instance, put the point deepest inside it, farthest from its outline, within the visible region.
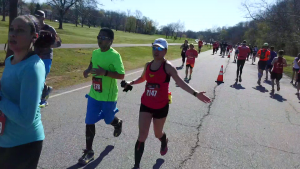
(276, 23)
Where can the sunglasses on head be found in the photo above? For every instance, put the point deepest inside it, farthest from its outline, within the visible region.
(157, 48)
(103, 38)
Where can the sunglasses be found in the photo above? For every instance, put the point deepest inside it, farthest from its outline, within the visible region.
(157, 48)
(103, 38)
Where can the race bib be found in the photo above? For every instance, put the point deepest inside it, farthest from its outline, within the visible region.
(97, 84)
(152, 90)
(2, 123)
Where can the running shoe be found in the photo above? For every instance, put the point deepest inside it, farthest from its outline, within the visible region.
(43, 104)
(48, 92)
(240, 79)
(185, 78)
(164, 150)
(258, 82)
(118, 128)
(236, 80)
(292, 82)
(88, 156)
(278, 88)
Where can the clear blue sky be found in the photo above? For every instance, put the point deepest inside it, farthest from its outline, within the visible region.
(197, 15)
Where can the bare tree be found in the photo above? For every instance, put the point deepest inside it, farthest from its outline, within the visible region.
(4, 4)
(62, 7)
(13, 13)
(138, 16)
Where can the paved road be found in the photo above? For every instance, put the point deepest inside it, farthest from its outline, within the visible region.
(96, 45)
(244, 126)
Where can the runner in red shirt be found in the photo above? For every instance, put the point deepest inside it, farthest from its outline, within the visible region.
(215, 47)
(155, 101)
(200, 44)
(243, 53)
(277, 70)
(191, 55)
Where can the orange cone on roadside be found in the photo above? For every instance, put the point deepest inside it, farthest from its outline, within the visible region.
(220, 77)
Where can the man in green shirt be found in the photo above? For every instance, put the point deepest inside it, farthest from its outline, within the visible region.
(106, 66)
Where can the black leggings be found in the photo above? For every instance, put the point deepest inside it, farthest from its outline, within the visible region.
(183, 57)
(240, 66)
(25, 156)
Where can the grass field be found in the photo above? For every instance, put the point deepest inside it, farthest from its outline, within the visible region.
(289, 69)
(78, 35)
(69, 64)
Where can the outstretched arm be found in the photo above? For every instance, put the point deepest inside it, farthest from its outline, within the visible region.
(173, 72)
(140, 79)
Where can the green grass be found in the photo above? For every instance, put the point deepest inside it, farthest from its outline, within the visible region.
(289, 69)
(69, 64)
(84, 35)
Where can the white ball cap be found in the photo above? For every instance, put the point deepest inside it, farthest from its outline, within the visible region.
(161, 42)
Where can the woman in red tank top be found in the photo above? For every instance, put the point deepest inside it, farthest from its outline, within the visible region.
(155, 101)
(277, 70)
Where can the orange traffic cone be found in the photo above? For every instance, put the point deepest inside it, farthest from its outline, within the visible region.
(220, 77)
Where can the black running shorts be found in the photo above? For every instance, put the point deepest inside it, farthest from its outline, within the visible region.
(276, 76)
(262, 65)
(156, 113)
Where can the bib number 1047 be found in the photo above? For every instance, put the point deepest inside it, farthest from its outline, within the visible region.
(151, 93)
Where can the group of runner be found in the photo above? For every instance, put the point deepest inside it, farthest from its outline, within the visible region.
(23, 81)
(269, 61)
(225, 48)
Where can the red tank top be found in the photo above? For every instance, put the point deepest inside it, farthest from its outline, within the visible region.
(278, 66)
(157, 87)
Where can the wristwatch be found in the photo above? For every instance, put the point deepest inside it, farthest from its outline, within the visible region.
(195, 94)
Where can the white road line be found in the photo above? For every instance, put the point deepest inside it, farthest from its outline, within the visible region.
(63, 93)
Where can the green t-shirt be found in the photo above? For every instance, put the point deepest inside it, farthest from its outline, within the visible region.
(110, 60)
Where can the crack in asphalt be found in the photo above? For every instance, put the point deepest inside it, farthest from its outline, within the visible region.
(193, 149)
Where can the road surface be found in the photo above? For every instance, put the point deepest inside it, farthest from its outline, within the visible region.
(63, 46)
(244, 126)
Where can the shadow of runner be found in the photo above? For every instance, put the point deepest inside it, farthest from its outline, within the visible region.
(277, 97)
(96, 162)
(237, 86)
(159, 163)
(261, 89)
(268, 82)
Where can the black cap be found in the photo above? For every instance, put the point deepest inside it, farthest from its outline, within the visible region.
(40, 13)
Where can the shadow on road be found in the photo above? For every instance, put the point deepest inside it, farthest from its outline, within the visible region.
(268, 82)
(96, 162)
(179, 68)
(261, 89)
(277, 97)
(159, 163)
(237, 86)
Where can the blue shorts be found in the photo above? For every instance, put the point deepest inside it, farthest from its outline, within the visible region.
(98, 110)
(48, 63)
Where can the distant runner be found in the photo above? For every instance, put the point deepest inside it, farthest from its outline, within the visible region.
(191, 55)
(243, 53)
(269, 63)
(295, 69)
(277, 70)
(215, 47)
(254, 54)
(263, 55)
(200, 44)
(184, 48)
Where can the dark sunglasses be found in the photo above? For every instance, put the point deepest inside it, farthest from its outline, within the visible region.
(103, 38)
(157, 48)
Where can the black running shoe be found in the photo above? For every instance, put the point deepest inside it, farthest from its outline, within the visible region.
(118, 128)
(240, 79)
(88, 156)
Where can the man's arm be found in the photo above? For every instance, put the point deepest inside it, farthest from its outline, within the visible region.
(274, 60)
(284, 63)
